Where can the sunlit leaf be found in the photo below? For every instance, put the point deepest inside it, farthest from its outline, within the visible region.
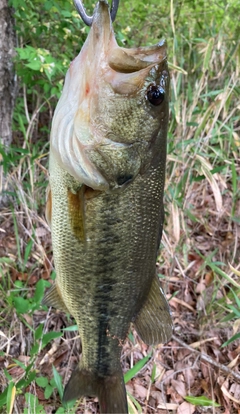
(58, 381)
(136, 368)
(202, 401)
(48, 337)
(42, 381)
(233, 338)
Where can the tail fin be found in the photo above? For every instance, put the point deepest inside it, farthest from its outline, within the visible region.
(110, 390)
(112, 395)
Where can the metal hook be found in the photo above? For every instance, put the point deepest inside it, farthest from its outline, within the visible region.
(88, 19)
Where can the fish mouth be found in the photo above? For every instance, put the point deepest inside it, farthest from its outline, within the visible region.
(120, 59)
(124, 69)
(124, 60)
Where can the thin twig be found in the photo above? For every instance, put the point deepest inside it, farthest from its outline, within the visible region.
(206, 358)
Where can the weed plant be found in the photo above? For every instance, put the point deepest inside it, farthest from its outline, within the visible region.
(199, 261)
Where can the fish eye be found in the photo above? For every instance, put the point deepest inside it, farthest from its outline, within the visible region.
(155, 95)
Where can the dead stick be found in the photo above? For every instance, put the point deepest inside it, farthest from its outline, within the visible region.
(206, 358)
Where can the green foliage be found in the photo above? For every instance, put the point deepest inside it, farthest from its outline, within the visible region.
(48, 386)
(232, 306)
(18, 299)
(128, 376)
(50, 32)
(136, 368)
(71, 328)
(58, 382)
(201, 401)
(41, 340)
(232, 339)
(33, 405)
(133, 404)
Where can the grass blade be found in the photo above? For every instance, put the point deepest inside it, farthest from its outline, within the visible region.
(202, 401)
(136, 368)
(58, 381)
(11, 397)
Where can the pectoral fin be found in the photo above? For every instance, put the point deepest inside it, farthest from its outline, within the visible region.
(48, 211)
(54, 298)
(77, 202)
(154, 322)
(76, 210)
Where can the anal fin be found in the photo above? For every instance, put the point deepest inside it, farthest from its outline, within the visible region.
(154, 322)
(54, 298)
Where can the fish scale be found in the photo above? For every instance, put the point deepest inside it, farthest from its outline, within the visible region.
(123, 265)
(105, 205)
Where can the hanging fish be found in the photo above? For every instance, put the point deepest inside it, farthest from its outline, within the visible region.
(105, 204)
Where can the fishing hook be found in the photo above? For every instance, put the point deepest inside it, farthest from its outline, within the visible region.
(88, 19)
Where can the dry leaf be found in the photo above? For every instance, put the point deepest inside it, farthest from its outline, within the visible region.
(179, 387)
(168, 406)
(140, 391)
(41, 231)
(186, 408)
(227, 394)
(235, 390)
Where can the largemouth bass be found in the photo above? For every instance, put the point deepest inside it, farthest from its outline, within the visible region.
(105, 205)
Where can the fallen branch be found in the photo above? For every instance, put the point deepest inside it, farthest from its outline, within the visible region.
(206, 358)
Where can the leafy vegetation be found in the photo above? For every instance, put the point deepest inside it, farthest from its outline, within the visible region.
(199, 261)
